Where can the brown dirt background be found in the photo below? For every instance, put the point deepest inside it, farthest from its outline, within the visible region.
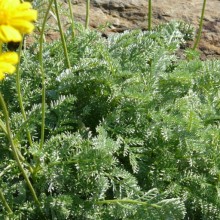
(133, 14)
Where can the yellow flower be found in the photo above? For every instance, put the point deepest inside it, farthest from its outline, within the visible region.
(7, 62)
(15, 19)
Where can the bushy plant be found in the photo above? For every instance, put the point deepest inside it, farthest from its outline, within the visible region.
(131, 130)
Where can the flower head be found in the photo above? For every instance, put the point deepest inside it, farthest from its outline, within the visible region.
(7, 62)
(15, 19)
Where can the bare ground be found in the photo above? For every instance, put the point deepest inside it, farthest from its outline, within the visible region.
(132, 14)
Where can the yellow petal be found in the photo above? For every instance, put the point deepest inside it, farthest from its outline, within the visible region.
(8, 33)
(5, 4)
(15, 15)
(7, 68)
(23, 26)
(24, 6)
(28, 15)
(9, 57)
(7, 62)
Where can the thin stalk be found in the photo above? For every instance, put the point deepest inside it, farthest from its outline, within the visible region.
(18, 86)
(62, 163)
(5, 169)
(149, 15)
(3, 127)
(72, 18)
(87, 13)
(5, 204)
(200, 26)
(127, 201)
(62, 36)
(14, 150)
(43, 74)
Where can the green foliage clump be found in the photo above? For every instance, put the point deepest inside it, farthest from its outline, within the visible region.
(132, 130)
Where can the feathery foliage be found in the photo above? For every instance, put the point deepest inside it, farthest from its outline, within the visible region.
(132, 130)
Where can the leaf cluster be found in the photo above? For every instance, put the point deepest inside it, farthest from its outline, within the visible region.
(132, 130)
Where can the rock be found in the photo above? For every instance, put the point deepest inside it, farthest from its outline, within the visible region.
(133, 14)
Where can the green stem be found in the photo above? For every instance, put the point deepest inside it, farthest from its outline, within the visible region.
(200, 26)
(127, 201)
(18, 86)
(87, 13)
(14, 150)
(5, 169)
(4, 202)
(149, 15)
(62, 36)
(3, 127)
(57, 163)
(72, 18)
(43, 74)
